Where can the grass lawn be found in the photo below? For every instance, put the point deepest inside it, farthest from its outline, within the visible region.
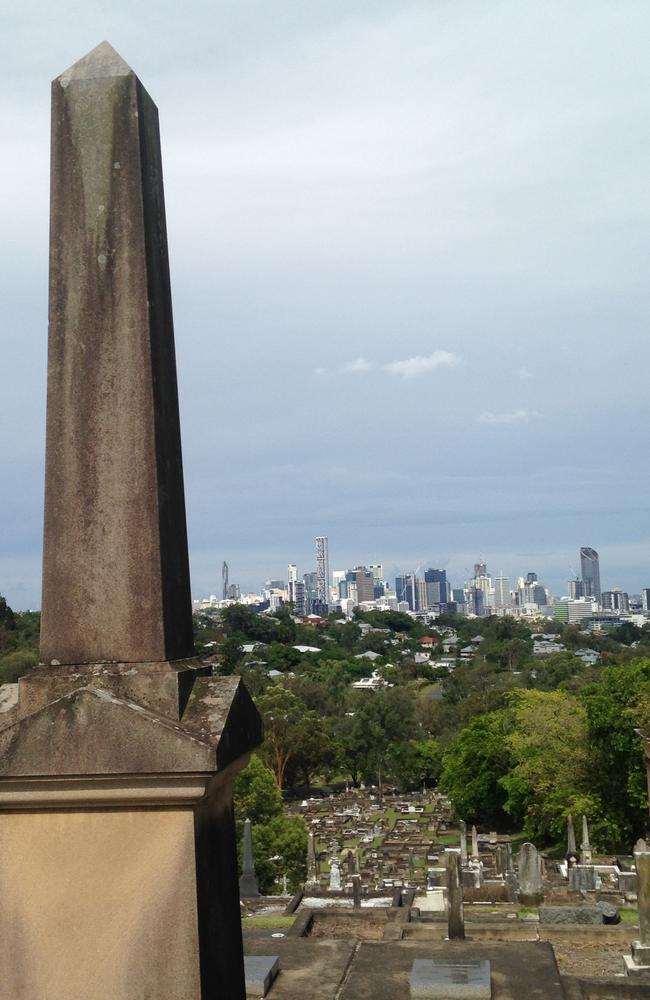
(629, 916)
(267, 923)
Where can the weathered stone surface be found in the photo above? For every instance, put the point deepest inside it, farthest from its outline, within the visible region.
(455, 916)
(570, 915)
(260, 972)
(436, 979)
(642, 862)
(115, 567)
(92, 731)
(248, 887)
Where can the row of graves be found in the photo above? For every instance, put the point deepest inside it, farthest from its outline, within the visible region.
(411, 853)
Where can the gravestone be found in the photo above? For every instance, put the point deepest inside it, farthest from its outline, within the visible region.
(356, 891)
(248, 887)
(475, 854)
(312, 870)
(530, 876)
(335, 877)
(585, 846)
(583, 878)
(637, 964)
(455, 916)
(463, 842)
(118, 860)
(570, 837)
(452, 979)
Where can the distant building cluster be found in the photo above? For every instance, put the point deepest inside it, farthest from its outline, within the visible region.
(428, 593)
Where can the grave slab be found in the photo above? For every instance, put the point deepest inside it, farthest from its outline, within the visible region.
(260, 971)
(437, 979)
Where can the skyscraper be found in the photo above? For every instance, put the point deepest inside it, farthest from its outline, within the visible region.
(292, 578)
(502, 591)
(322, 569)
(224, 581)
(437, 588)
(590, 567)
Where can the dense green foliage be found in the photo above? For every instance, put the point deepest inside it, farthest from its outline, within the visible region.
(279, 841)
(516, 740)
(19, 633)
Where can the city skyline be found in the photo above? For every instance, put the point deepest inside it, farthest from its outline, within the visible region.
(378, 208)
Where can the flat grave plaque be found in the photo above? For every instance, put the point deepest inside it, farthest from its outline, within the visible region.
(440, 979)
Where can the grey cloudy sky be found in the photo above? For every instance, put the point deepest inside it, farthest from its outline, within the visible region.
(409, 247)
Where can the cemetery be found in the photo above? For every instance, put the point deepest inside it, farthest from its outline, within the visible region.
(118, 753)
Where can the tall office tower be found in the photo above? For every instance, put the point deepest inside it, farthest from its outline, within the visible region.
(502, 591)
(360, 584)
(590, 572)
(322, 569)
(420, 595)
(292, 579)
(480, 569)
(300, 599)
(531, 577)
(645, 598)
(406, 589)
(576, 589)
(437, 588)
(377, 571)
(224, 581)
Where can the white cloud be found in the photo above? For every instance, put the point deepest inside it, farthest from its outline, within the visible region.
(514, 417)
(358, 367)
(422, 364)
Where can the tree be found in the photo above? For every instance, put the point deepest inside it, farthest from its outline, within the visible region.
(279, 841)
(473, 766)
(415, 762)
(7, 617)
(550, 772)
(614, 709)
(288, 726)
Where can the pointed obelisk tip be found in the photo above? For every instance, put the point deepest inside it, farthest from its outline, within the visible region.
(102, 61)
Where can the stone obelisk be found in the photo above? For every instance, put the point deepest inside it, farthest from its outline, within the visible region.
(118, 870)
(248, 887)
(115, 568)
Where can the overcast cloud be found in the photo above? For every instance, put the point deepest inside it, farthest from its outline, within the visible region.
(409, 248)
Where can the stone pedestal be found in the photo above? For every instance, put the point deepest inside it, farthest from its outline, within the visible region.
(118, 865)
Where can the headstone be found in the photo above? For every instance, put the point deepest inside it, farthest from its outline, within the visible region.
(570, 915)
(570, 837)
(312, 870)
(637, 964)
(583, 878)
(475, 854)
(260, 971)
(411, 865)
(356, 891)
(455, 916)
(335, 877)
(450, 979)
(118, 839)
(585, 846)
(463, 842)
(350, 863)
(248, 887)
(530, 876)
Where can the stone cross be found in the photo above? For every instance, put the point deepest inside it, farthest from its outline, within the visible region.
(585, 846)
(570, 837)
(248, 887)
(463, 842)
(455, 915)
